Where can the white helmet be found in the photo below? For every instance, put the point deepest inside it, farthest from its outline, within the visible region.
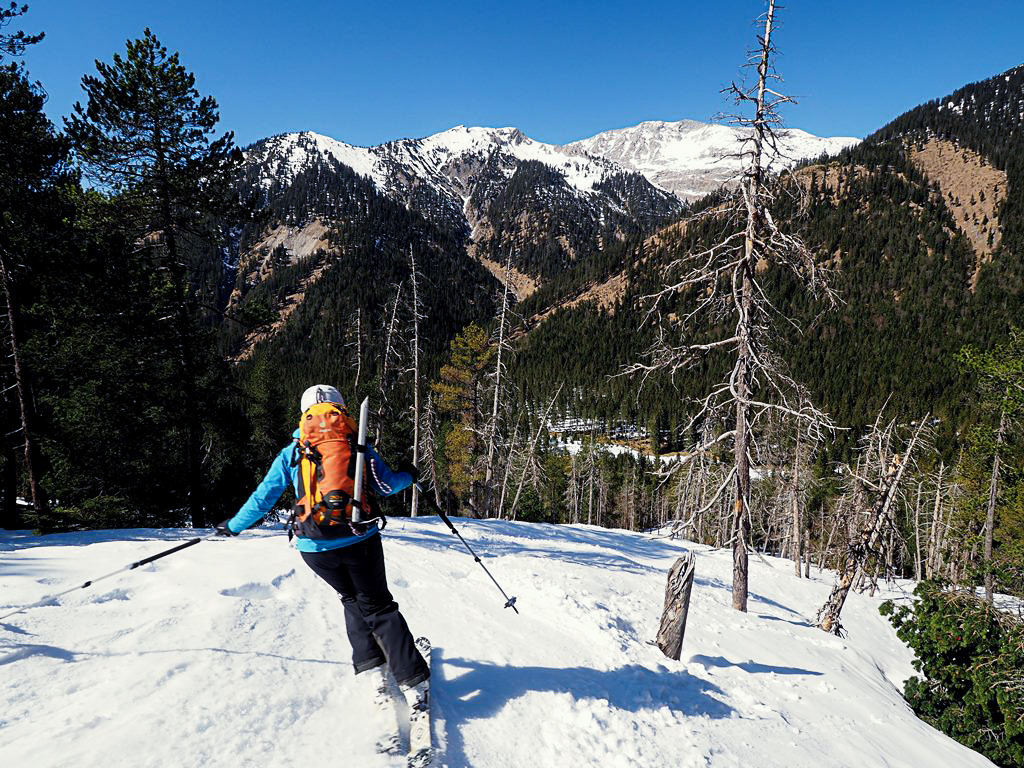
(320, 393)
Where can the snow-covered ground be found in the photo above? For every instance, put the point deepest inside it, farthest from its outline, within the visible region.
(575, 446)
(231, 653)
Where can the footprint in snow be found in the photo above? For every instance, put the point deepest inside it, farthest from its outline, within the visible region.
(261, 590)
(283, 579)
(250, 591)
(115, 594)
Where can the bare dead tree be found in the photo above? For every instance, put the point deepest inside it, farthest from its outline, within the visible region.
(682, 496)
(590, 470)
(936, 536)
(38, 499)
(503, 347)
(358, 344)
(990, 508)
(389, 354)
(429, 442)
(875, 489)
(531, 467)
(417, 315)
(601, 485)
(724, 281)
(795, 485)
(509, 459)
(628, 502)
(798, 496)
(782, 457)
(572, 490)
(917, 532)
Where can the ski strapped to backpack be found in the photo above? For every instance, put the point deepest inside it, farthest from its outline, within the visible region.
(334, 499)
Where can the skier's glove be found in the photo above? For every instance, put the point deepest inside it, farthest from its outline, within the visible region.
(221, 529)
(409, 468)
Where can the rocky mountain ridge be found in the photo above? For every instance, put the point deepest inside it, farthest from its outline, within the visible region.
(493, 190)
(687, 157)
(497, 190)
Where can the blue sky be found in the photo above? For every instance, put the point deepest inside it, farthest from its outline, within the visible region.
(559, 70)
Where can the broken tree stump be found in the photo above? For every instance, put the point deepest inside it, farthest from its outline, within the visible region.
(677, 604)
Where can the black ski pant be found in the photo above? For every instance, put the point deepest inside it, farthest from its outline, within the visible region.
(377, 631)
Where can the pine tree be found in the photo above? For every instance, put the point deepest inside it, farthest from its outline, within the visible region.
(459, 397)
(1001, 376)
(145, 136)
(15, 43)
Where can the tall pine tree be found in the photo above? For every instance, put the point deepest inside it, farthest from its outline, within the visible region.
(146, 136)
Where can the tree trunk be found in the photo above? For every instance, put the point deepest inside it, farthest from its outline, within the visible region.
(934, 537)
(389, 338)
(828, 616)
(359, 346)
(38, 498)
(414, 510)
(990, 517)
(745, 329)
(677, 606)
(492, 426)
(590, 482)
(798, 538)
(528, 459)
(917, 533)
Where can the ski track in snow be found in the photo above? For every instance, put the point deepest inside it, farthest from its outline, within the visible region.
(232, 653)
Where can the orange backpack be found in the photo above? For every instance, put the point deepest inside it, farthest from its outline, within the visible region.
(326, 455)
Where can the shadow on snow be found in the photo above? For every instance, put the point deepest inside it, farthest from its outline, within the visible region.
(479, 689)
(751, 666)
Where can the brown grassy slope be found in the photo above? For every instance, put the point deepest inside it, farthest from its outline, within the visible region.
(521, 284)
(972, 189)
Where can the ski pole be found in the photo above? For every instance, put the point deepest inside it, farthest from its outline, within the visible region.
(510, 602)
(133, 566)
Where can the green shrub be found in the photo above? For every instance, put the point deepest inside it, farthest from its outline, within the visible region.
(98, 512)
(971, 658)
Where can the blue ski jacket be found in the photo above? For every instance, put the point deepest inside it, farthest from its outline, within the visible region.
(383, 481)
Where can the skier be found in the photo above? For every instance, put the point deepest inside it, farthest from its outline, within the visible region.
(348, 557)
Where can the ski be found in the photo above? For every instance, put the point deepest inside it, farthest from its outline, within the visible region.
(384, 699)
(357, 494)
(421, 753)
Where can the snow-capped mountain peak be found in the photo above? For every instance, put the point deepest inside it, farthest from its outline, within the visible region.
(691, 158)
(497, 188)
(686, 157)
(432, 159)
(286, 155)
